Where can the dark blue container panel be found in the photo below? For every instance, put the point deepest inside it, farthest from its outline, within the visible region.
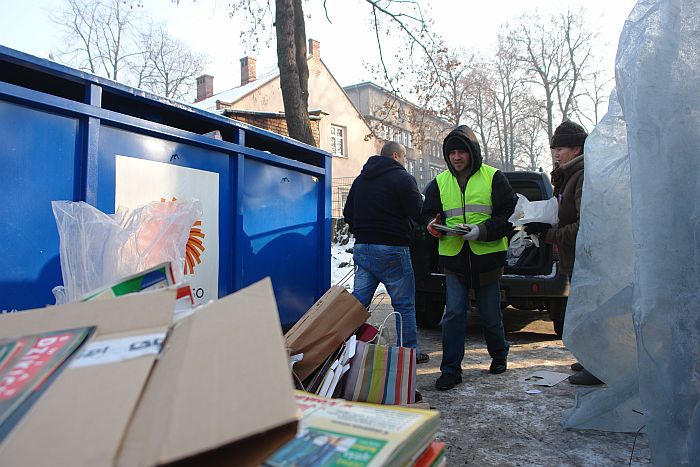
(280, 237)
(68, 135)
(39, 160)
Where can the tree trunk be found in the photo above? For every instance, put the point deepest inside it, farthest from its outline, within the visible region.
(294, 72)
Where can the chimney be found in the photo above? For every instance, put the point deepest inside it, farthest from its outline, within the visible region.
(315, 49)
(247, 70)
(205, 87)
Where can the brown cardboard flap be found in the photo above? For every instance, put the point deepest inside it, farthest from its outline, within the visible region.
(81, 418)
(222, 377)
(251, 451)
(327, 324)
(119, 315)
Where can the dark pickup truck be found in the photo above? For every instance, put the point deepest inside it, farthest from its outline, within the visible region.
(536, 284)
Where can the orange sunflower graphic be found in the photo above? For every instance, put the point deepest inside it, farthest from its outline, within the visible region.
(195, 245)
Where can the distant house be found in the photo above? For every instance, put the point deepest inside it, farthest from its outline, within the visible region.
(337, 125)
(399, 120)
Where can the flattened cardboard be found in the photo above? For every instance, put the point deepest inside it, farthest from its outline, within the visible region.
(322, 329)
(81, 418)
(222, 377)
(220, 394)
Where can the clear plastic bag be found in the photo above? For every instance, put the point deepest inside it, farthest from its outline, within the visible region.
(97, 249)
(526, 211)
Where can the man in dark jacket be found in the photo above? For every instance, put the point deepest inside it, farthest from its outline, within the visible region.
(382, 201)
(478, 197)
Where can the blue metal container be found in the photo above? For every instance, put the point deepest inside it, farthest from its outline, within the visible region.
(69, 135)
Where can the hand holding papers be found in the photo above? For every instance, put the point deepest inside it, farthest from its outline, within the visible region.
(458, 230)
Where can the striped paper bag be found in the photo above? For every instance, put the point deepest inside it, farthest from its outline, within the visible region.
(381, 374)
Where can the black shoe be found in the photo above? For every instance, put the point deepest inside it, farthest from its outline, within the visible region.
(498, 366)
(584, 378)
(576, 366)
(447, 381)
(422, 358)
(418, 398)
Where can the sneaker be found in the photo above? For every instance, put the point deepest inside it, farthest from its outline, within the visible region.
(576, 366)
(422, 358)
(498, 366)
(447, 381)
(584, 378)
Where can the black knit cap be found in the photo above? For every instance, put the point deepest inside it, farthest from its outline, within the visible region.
(455, 142)
(568, 135)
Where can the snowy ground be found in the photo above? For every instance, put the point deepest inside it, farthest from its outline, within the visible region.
(342, 266)
(492, 419)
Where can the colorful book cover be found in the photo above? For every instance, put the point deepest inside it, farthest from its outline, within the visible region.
(153, 278)
(433, 456)
(34, 360)
(354, 434)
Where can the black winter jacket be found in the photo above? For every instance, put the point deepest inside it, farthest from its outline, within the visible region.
(382, 201)
(475, 269)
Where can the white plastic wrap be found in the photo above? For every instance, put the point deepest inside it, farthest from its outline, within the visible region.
(97, 249)
(526, 211)
(633, 315)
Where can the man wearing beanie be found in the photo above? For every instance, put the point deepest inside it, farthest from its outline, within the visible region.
(478, 195)
(567, 178)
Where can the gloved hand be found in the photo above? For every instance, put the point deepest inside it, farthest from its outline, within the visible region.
(432, 230)
(473, 232)
(537, 228)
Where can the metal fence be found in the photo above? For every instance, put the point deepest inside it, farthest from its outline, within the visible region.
(340, 189)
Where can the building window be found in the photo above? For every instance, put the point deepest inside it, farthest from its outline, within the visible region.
(338, 147)
(411, 166)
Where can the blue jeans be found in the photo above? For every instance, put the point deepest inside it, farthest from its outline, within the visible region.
(488, 301)
(390, 265)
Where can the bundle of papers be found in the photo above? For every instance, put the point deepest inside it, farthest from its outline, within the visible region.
(459, 229)
(339, 432)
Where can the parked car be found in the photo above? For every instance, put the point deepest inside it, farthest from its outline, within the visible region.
(532, 284)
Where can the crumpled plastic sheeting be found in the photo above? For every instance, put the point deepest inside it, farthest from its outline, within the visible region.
(640, 213)
(97, 249)
(658, 80)
(598, 328)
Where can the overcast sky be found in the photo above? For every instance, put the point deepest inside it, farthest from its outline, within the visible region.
(347, 43)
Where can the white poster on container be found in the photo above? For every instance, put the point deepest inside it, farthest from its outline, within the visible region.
(139, 182)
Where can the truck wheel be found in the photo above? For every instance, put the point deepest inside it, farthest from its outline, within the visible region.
(557, 312)
(429, 309)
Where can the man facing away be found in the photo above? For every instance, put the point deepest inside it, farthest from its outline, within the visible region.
(473, 193)
(381, 203)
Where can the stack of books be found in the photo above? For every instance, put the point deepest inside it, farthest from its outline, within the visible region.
(339, 432)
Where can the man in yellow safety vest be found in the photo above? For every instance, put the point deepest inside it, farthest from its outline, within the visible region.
(478, 198)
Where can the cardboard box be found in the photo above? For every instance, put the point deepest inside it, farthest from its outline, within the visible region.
(219, 393)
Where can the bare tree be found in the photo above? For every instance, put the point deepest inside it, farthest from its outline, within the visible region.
(95, 34)
(558, 55)
(168, 67)
(112, 38)
(405, 16)
(529, 137)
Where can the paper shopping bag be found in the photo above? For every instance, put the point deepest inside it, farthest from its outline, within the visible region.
(381, 374)
(322, 329)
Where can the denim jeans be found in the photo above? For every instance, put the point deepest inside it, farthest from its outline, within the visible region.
(390, 265)
(488, 301)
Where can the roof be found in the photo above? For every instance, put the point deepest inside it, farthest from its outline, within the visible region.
(235, 94)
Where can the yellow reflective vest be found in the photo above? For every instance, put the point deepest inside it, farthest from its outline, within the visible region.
(474, 208)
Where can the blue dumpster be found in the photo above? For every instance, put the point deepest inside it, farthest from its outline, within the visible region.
(65, 134)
